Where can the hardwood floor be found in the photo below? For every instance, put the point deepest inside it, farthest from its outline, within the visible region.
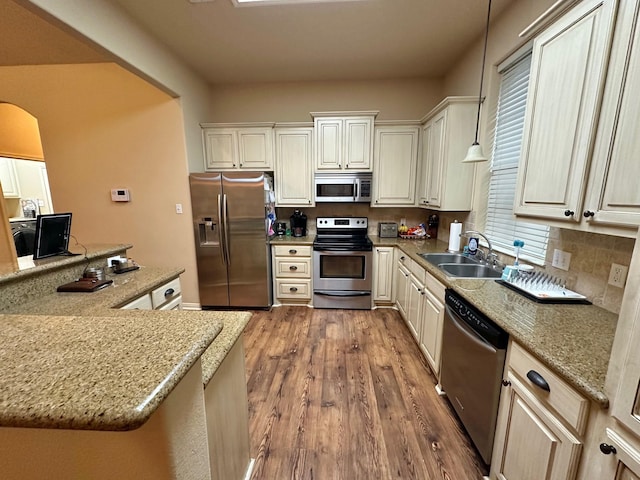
(346, 394)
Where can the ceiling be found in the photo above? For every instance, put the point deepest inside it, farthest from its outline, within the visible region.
(353, 40)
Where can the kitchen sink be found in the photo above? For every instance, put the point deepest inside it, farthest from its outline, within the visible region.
(438, 258)
(468, 270)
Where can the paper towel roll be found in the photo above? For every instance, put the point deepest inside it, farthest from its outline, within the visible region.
(455, 229)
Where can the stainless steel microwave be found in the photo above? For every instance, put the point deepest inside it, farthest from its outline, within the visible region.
(343, 187)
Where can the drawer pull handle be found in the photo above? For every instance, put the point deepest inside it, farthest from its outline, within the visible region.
(506, 383)
(402, 258)
(293, 289)
(538, 380)
(608, 449)
(293, 252)
(293, 267)
(169, 291)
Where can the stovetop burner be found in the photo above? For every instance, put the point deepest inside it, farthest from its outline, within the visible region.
(342, 233)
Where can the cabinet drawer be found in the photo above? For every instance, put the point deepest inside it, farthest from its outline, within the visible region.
(141, 303)
(175, 304)
(561, 397)
(297, 267)
(292, 250)
(166, 292)
(293, 289)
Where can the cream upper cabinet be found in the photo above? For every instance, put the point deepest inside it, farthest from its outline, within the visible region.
(395, 162)
(9, 178)
(567, 77)
(233, 147)
(343, 140)
(444, 182)
(383, 268)
(613, 196)
(294, 166)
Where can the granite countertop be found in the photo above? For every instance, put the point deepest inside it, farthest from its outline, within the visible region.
(572, 340)
(73, 360)
(289, 240)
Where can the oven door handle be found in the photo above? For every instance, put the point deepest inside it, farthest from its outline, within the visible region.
(469, 332)
(344, 294)
(338, 249)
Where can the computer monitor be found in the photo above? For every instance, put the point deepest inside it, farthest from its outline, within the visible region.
(52, 235)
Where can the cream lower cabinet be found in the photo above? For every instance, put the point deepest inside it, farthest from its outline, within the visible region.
(567, 76)
(383, 275)
(539, 433)
(292, 274)
(431, 322)
(414, 305)
(238, 146)
(444, 183)
(165, 297)
(401, 282)
(294, 166)
(394, 165)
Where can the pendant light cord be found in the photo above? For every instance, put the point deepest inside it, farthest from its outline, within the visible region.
(484, 57)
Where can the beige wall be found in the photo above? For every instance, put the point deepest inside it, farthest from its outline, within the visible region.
(102, 127)
(19, 133)
(403, 99)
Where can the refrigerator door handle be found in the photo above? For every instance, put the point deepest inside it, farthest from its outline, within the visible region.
(221, 230)
(227, 245)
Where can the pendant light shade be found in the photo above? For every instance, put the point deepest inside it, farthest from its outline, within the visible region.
(475, 153)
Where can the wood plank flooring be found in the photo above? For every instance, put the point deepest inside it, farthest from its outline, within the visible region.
(346, 394)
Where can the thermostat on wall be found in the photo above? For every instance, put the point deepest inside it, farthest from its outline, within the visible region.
(120, 195)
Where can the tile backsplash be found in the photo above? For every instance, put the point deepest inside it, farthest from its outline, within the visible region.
(591, 254)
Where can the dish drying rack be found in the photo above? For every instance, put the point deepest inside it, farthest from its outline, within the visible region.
(543, 288)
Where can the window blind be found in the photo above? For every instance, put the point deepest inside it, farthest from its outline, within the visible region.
(501, 225)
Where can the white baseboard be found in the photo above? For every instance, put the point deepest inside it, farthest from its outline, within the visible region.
(247, 475)
(191, 306)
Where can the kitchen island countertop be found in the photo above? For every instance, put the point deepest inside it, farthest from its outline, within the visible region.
(572, 340)
(75, 361)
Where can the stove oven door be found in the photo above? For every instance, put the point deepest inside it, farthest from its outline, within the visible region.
(342, 270)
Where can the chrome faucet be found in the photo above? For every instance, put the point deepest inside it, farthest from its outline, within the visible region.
(491, 257)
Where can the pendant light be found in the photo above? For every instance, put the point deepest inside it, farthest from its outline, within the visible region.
(475, 154)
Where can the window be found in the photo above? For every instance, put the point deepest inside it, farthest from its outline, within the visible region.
(502, 227)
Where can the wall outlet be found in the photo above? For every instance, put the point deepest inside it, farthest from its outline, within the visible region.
(561, 259)
(403, 221)
(618, 275)
(178, 208)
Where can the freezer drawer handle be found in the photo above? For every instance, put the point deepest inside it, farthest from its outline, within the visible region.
(293, 289)
(538, 380)
(293, 267)
(293, 252)
(169, 292)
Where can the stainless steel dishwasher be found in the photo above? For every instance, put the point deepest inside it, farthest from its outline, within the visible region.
(473, 354)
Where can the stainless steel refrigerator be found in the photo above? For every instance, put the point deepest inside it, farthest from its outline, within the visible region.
(232, 247)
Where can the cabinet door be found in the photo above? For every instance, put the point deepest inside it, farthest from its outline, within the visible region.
(436, 159)
(395, 163)
(294, 168)
(614, 197)
(431, 329)
(383, 274)
(423, 166)
(531, 444)
(328, 138)
(9, 178)
(255, 147)
(414, 306)
(567, 75)
(221, 148)
(624, 464)
(358, 142)
(402, 289)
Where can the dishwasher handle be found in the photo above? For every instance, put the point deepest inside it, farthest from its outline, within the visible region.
(468, 331)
